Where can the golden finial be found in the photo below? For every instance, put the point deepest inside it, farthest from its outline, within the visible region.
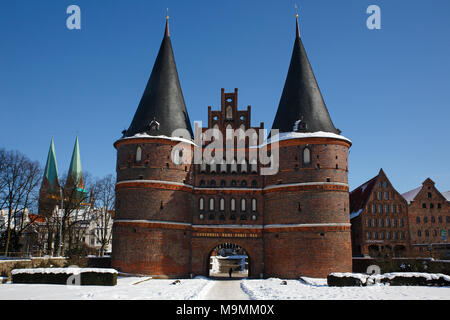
(167, 23)
(296, 11)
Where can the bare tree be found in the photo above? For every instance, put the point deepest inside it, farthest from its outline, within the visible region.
(19, 179)
(104, 198)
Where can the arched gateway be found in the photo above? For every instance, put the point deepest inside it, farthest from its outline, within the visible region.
(228, 260)
(291, 216)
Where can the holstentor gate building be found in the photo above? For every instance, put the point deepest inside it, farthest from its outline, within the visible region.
(170, 216)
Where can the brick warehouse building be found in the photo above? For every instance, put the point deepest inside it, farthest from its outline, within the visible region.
(379, 218)
(429, 221)
(172, 214)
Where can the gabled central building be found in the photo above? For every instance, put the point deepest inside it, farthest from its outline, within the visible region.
(172, 214)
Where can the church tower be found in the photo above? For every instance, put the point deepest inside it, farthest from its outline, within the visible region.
(49, 192)
(74, 191)
(151, 232)
(306, 212)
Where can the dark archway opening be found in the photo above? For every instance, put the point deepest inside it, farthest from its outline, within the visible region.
(227, 257)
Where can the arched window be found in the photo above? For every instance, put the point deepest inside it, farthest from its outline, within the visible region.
(233, 166)
(213, 166)
(243, 204)
(222, 204)
(211, 204)
(306, 156)
(253, 204)
(223, 166)
(212, 183)
(254, 184)
(201, 204)
(138, 154)
(243, 166)
(253, 166)
(223, 183)
(233, 204)
(233, 183)
(229, 112)
(177, 156)
(243, 183)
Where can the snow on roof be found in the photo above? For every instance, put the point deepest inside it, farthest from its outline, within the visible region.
(355, 214)
(446, 195)
(145, 135)
(411, 194)
(359, 197)
(304, 135)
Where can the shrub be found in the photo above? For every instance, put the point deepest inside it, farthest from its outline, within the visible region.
(393, 279)
(102, 277)
(346, 279)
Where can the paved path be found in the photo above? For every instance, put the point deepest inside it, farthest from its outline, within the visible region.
(226, 290)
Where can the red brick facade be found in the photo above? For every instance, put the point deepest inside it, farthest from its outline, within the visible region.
(429, 222)
(169, 217)
(379, 218)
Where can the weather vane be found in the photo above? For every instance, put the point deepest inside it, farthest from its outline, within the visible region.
(167, 13)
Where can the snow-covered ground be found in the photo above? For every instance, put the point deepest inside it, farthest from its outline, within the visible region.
(127, 288)
(317, 289)
(130, 288)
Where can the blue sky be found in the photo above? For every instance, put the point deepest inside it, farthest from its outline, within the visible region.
(388, 90)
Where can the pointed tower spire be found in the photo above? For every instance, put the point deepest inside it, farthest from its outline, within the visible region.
(166, 32)
(301, 106)
(162, 108)
(51, 178)
(75, 177)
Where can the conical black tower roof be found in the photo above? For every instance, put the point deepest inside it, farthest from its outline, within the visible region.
(162, 109)
(301, 98)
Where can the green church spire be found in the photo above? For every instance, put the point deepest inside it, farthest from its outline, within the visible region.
(51, 170)
(75, 173)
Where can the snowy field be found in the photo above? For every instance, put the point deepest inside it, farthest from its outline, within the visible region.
(127, 288)
(131, 288)
(317, 289)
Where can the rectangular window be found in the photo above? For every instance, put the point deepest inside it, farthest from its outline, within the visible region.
(381, 223)
(394, 208)
(394, 222)
(386, 195)
(374, 208)
(374, 222)
(386, 208)
(380, 208)
(368, 222)
(388, 222)
(401, 222)
(380, 194)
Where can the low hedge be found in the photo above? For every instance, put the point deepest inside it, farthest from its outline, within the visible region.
(392, 279)
(67, 276)
(346, 279)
